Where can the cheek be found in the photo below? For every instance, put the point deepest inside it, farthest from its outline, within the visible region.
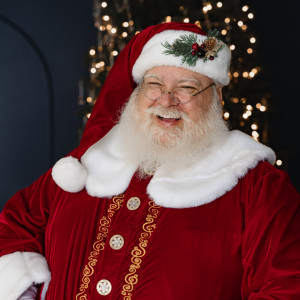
(197, 109)
(143, 104)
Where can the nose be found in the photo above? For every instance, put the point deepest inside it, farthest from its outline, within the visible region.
(166, 99)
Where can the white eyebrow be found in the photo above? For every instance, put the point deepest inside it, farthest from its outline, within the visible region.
(152, 75)
(189, 79)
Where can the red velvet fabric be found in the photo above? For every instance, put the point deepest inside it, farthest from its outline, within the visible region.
(244, 245)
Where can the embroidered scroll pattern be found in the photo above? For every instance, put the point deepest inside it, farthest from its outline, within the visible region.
(139, 251)
(98, 246)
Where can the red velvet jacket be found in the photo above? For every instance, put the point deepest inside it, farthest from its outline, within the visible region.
(244, 245)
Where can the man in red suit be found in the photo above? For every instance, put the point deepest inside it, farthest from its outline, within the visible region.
(160, 201)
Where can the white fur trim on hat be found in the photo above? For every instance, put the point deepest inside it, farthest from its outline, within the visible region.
(152, 56)
(69, 174)
(19, 270)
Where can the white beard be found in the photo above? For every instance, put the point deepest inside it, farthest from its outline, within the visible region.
(150, 146)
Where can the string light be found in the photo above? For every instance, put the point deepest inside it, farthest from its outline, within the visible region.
(104, 4)
(249, 107)
(255, 134)
(244, 27)
(113, 30)
(102, 27)
(88, 115)
(105, 18)
(254, 70)
(92, 52)
(236, 74)
(168, 19)
(124, 34)
(125, 24)
(240, 23)
(249, 50)
(100, 64)
(254, 126)
(209, 6)
(227, 20)
(115, 53)
(245, 74)
(186, 20)
(198, 24)
(108, 27)
(252, 40)
(219, 4)
(245, 8)
(224, 31)
(279, 162)
(250, 16)
(89, 99)
(262, 108)
(226, 115)
(93, 70)
(232, 47)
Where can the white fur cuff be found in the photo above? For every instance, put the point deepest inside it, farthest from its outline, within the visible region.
(19, 270)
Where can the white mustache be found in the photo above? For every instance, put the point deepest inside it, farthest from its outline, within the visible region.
(168, 112)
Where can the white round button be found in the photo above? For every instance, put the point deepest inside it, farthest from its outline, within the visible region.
(133, 203)
(103, 287)
(116, 242)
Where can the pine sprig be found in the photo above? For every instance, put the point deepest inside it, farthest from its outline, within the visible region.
(213, 33)
(182, 47)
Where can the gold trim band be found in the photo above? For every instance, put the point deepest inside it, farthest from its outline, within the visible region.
(139, 251)
(98, 246)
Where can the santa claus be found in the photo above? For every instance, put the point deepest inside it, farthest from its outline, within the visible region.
(160, 200)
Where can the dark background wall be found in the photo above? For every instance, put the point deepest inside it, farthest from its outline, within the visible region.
(43, 44)
(42, 48)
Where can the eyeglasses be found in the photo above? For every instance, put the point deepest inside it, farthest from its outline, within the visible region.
(179, 94)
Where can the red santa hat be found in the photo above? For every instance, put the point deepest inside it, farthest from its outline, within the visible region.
(173, 44)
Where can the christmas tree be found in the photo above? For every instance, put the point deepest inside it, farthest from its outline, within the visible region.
(245, 98)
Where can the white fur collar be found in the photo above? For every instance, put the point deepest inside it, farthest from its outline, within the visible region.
(106, 172)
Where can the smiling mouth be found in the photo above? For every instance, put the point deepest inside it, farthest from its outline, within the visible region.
(167, 119)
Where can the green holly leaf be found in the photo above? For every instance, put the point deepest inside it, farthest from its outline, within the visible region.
(183, 47)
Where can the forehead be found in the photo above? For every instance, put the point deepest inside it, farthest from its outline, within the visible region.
(170, 73)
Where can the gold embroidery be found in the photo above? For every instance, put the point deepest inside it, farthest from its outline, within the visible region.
(139, 251)
(98, 246)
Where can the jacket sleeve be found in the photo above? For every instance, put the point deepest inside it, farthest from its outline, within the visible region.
(23, 223)
(271, 239)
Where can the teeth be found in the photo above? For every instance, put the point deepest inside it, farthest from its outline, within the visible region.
(168, 116)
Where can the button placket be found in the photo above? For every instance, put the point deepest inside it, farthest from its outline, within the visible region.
(119, 238)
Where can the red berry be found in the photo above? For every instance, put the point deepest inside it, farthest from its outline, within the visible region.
(202, 46)
(193, 52)
(211, 58)
(195, 47)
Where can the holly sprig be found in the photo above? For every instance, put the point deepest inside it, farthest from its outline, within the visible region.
(182, 47)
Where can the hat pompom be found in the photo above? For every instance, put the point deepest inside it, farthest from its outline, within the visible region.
(69, 174)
